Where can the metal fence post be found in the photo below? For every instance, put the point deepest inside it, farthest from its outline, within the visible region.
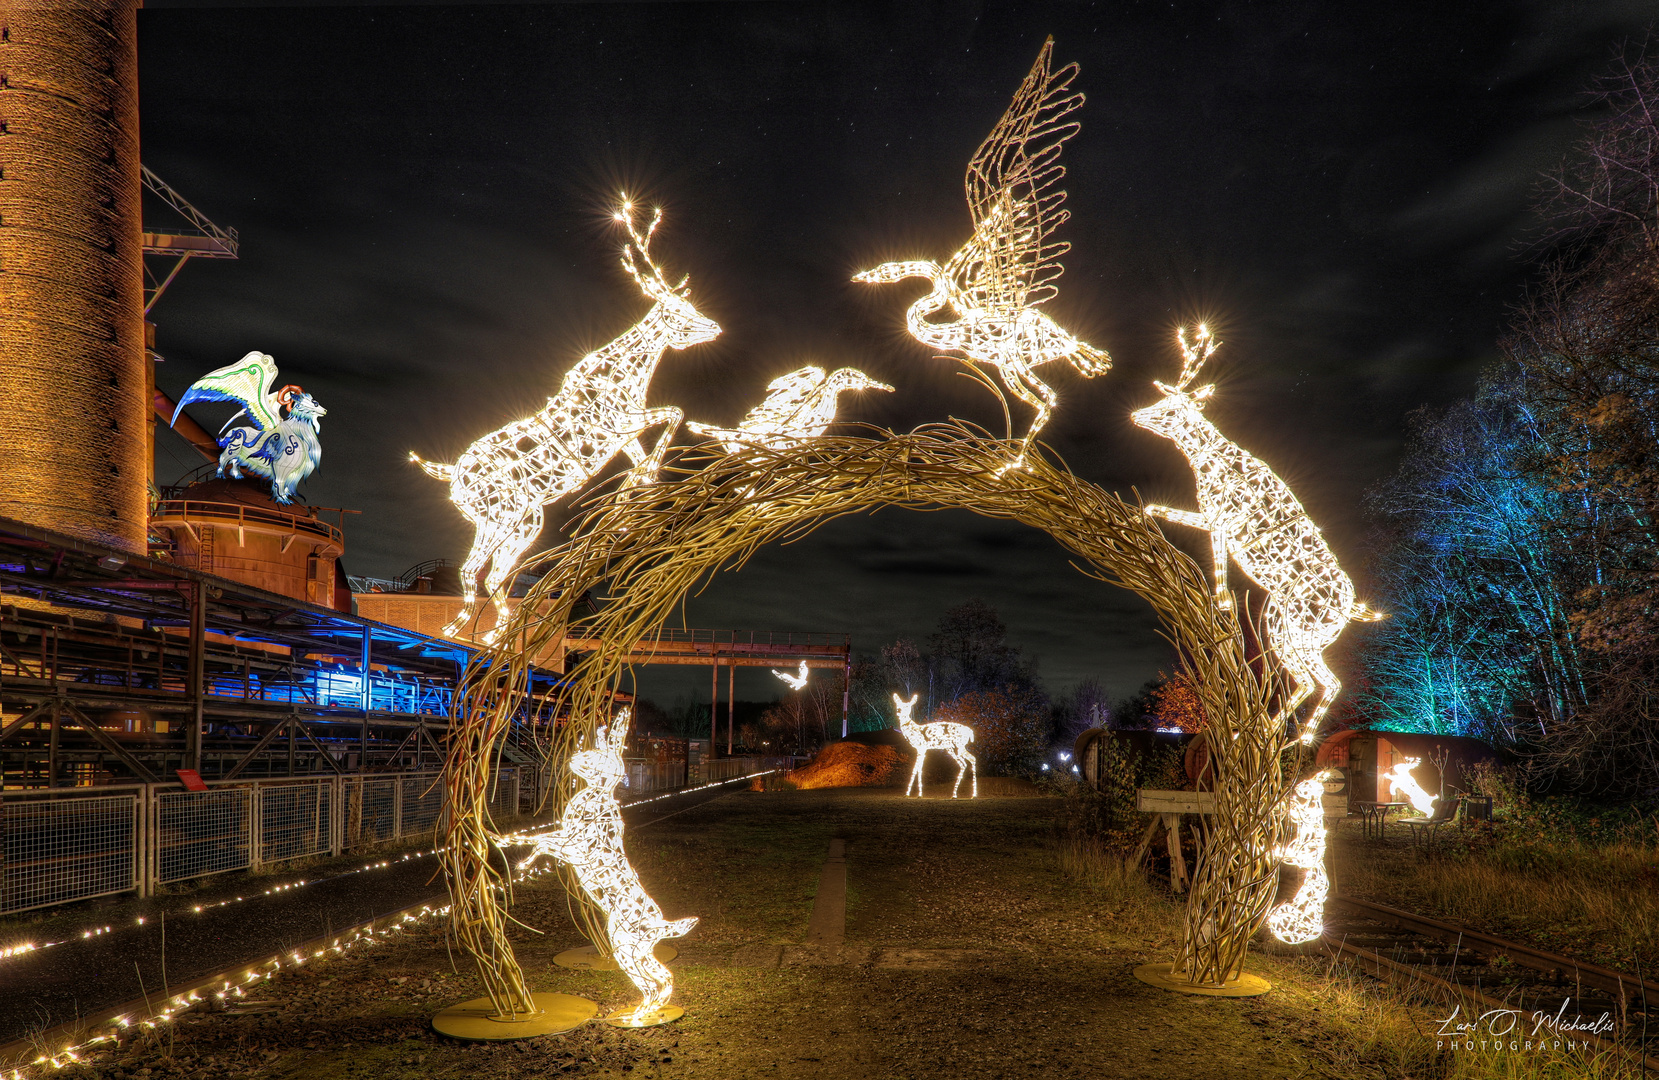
(256, 817)
(336, 814)
(397, 807)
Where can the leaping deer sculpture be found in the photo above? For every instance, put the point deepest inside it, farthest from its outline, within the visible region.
(1253, 516)
(505, 480)
(953, 739)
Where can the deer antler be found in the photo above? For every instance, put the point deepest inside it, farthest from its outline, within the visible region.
(1194, 353)
(640, 250)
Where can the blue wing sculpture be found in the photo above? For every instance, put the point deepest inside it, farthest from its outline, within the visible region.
(282, 449)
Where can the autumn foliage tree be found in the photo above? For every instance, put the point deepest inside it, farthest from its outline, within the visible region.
(1010, 727)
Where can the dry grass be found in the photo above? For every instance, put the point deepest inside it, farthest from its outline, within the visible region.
(1600, 904)
(847, 764)
(1116, 880)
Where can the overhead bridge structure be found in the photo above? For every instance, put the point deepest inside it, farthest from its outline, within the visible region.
(117, 668)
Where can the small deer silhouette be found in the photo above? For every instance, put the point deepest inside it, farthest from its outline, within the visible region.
(1253, 516)
(505, 480)
(1405, 783)
(953, 739)
(589, 841)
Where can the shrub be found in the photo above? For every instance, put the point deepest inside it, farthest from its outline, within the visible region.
(846, 764)
(1010, 728)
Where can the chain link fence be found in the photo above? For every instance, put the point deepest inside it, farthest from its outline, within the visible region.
(66, 844)
(53, 851)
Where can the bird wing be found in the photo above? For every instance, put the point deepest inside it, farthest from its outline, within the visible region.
(1010, 263)
(246, 382)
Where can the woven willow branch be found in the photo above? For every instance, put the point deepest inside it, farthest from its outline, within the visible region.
(642, 550)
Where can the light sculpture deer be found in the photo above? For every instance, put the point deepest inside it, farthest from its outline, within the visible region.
(953, 739)
(1404, 783)
(589, 841)
(1253, 518)
(800, 405)
(1302, 917)
(505, 480)
(995, 283)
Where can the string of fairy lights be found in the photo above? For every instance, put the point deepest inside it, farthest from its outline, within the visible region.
(25, 948)
(231, 990)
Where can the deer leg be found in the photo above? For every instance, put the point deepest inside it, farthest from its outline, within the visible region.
(476, 558)
(1294, 660)
(1179, 517)
(1329, 687)
(973, 773)
(916, 774)
(1218, 555)
(646, 465)
(504, 561)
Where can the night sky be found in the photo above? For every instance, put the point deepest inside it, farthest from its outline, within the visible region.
(423, 196)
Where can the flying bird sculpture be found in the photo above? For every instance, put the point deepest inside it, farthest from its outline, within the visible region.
(1007, 269)
(282, 449)
(799, 405)
(795, 681)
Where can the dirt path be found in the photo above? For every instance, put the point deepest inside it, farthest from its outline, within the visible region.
(966, 954)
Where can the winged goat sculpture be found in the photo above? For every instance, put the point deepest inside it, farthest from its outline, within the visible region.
(283, 450)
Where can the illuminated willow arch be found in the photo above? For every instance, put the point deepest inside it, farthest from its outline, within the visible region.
(642, 550)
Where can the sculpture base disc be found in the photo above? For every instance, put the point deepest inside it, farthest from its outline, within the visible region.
(587, 958)
(477, 1020)
(664, 1014)
(1158, 975)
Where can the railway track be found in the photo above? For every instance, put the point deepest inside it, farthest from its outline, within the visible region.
(1482, 973)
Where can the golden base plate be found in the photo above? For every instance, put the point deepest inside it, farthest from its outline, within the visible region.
(1158, 975)
(666, 1014)
(476, 1020)
(587, 958)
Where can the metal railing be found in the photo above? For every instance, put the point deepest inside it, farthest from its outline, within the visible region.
(66, 844)
(800, 639)
(242, 516)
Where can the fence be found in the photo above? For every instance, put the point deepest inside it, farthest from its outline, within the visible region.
(58, 845)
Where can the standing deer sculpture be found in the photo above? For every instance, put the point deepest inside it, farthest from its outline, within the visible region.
(1253, 517)
(589, 841)
(995, 282)
(505, 480)
(953, 739)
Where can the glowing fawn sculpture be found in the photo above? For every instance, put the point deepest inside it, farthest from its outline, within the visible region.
(1302, 917)
(995, 283)
(505, 480)
(801, 405)
(1253, 516)
(1405, 783)
(589, 840)
(953, 739)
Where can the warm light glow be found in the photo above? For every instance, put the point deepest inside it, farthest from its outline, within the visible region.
(283, 451)
(1302, 918)
(505, 480)
(801, 405)
(795, 681)
(995, 283)
(589, 841)
(953, 739)
(1252, 516)
(1400, 778)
